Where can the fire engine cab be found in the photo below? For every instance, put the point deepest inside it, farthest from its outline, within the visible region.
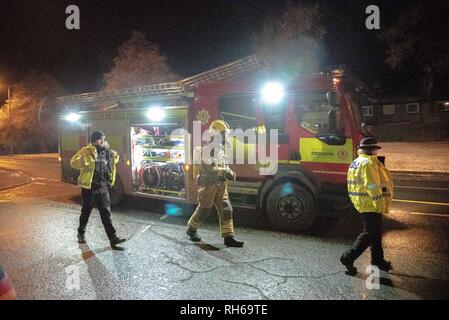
(316, 117)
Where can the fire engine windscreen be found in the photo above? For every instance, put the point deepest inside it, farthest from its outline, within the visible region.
(158, 159)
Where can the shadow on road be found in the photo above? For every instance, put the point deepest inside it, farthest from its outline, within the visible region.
(419, 285)
(349, 226)
(207, 247)
(103, 281)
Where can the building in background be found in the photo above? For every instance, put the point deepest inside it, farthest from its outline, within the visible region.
(408, 119)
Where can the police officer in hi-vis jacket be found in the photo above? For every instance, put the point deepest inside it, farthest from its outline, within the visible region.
(212, 184)
(370, 188)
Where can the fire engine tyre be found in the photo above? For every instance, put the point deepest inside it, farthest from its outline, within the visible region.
(117, 193)
(291, 207)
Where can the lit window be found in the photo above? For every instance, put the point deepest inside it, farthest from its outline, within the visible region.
(413, 108)
(388, 109)
(367, 111)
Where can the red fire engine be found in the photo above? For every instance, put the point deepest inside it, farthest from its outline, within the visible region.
(316, 117)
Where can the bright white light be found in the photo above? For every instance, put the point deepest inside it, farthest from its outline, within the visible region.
(273, 93)
(72, 117)
(156, 114)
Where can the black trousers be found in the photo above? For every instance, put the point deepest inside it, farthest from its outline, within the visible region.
(103, 203)
(370, 237)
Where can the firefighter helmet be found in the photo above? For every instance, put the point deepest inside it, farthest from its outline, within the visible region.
(219, 125)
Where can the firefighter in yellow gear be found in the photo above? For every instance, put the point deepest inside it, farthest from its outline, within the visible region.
(212, 183)
(370, 189)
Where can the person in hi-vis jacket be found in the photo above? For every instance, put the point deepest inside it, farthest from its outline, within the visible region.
(98, 166)
(370, 189)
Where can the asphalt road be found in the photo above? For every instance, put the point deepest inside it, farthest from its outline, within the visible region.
(38, 248)
(422, 194)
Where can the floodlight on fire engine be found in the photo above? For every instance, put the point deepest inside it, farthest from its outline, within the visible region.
(72, 117)
(273, 93)
(155, 114)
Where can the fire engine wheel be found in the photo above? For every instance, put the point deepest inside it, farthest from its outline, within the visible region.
(290, 207)
(117, 193)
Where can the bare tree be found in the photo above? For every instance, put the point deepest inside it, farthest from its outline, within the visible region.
(139, 62)
(292, 38)
(420, 36)
(19, 119)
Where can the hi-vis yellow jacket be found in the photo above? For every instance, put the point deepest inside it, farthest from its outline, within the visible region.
(370, 186)
(84, 160)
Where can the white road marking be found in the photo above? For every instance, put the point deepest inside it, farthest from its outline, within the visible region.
(422, 202)
(430, 214)
(163, 217)
(73, 211)
(138, 233)
(146, 228)
(421, 188)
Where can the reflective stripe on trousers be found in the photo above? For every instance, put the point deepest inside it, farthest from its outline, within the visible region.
(214, 195)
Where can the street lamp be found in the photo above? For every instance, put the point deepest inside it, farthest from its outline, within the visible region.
(9, 102)
(11, 149)
(40, 109)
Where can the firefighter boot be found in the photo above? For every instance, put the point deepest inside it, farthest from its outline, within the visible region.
(383, 265)
(233, 242)
(115, 241)
(193, 235)
(81, 237)
(350, 269)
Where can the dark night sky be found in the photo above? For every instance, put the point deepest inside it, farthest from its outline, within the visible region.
(194, 34)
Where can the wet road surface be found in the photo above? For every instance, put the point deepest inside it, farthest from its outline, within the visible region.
(38, 249)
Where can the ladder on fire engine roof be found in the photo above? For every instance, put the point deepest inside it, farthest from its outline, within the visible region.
(169, 89)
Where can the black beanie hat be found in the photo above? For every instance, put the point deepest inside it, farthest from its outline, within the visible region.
(96, 135)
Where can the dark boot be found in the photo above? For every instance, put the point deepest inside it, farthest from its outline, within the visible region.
(233, 242)
(81, 238)
(350, 269)
(115, 241)
(383, 265)
(193, 235)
